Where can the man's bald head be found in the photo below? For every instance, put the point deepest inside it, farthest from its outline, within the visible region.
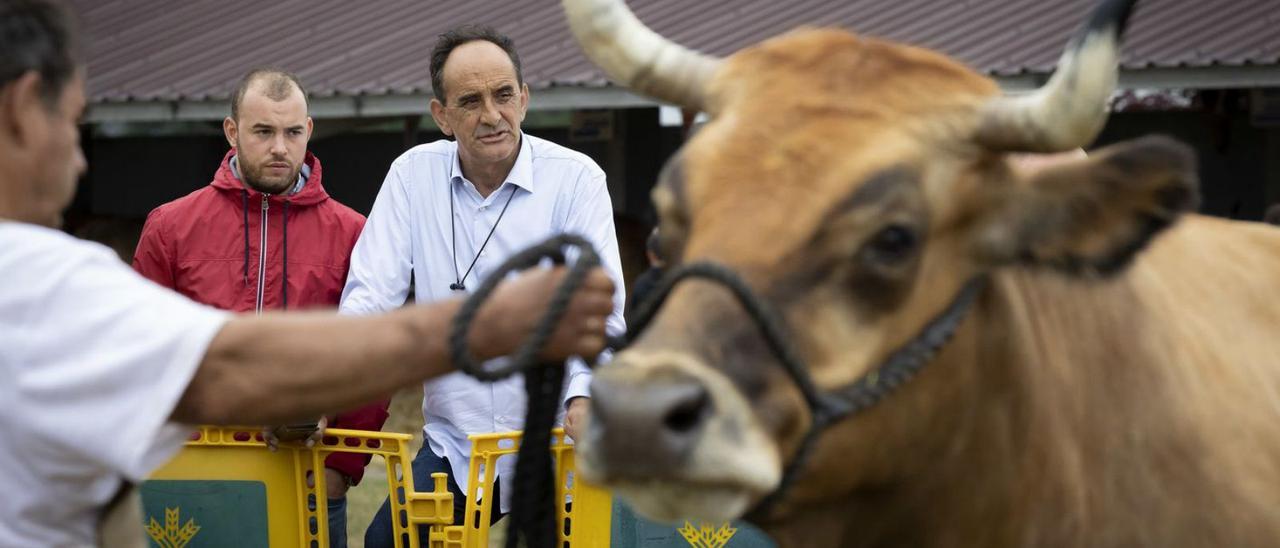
(275, 84)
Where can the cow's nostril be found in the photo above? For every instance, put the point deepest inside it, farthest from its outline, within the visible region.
(688, 413)
(646, 427)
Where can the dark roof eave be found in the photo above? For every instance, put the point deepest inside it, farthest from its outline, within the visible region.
(1203, 77)
(560, 97)
(581, 96)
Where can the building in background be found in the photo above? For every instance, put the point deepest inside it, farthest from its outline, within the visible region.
(1205, 71)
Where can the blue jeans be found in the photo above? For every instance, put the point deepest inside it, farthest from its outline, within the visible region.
(338, 523)
(380, 533)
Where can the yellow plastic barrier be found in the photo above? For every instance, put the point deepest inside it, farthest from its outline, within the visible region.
(296, 513)
(585, 523)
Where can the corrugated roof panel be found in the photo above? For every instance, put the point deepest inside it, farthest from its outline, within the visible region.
(161, 50)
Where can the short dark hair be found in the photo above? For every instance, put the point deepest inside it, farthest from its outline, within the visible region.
(450, 40)
(38, 35)
(278, 82)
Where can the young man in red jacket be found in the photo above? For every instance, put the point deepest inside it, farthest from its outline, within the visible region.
(264, 235)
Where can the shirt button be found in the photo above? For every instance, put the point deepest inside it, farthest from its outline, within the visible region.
(484, 208)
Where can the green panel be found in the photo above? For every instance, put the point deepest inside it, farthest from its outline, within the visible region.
(632, 531)
(228, 513)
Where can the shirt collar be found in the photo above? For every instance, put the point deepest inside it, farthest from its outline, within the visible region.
(521, 173)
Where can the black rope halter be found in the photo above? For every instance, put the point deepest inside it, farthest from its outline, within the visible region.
(533, 512)
(826, 408)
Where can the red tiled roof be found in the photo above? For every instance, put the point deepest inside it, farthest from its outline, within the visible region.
(144, 50)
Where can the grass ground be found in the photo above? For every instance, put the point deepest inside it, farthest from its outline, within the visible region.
(365, 499)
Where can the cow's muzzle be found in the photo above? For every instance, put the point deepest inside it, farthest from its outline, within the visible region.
(675, 438)
(655, 424)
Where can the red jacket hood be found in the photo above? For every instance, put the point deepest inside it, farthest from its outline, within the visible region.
(312, 193)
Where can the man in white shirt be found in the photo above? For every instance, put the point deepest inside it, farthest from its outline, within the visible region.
(101, 367)
(451, 211)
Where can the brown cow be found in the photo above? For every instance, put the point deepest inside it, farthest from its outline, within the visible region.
(1116, 382)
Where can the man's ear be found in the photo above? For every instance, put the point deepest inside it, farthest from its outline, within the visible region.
(1092, 216)
(524, 100)
(22, 109)
(437, 114)
(230, 130)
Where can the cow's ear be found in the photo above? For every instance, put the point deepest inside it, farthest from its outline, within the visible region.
(1091, 216)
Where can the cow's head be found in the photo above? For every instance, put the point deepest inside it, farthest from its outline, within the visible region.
(856, 185)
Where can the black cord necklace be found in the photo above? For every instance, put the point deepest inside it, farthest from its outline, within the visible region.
(453, 241)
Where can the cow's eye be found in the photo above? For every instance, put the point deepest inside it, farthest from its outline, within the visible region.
(891, 245)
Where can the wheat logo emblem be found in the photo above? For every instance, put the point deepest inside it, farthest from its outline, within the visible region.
(170, 535)
(707, 536)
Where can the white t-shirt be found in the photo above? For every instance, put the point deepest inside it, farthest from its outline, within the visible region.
(93, 360)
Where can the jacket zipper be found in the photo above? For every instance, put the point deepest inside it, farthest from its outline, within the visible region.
(262, 257)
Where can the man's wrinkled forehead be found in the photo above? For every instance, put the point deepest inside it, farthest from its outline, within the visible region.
(478, 63)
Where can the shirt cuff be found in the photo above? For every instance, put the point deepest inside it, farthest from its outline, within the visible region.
(579, 387)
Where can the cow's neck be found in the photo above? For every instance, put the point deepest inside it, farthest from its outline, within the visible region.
(1026, 431)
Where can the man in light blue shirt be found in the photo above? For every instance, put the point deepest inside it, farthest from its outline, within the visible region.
(448, 213)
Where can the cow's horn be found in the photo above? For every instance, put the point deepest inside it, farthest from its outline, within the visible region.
(1069, 110)
(637, 57)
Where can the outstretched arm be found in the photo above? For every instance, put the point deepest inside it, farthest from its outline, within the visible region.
(279, 367)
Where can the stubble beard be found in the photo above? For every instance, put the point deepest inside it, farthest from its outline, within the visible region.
(252, 177)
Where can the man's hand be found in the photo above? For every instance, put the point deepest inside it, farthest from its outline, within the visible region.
(517, 306)
(318, 435)
(335, 483)
(271, 435)
(575, 418)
